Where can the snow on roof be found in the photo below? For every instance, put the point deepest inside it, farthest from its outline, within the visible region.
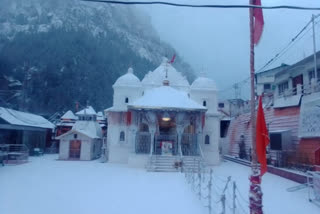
(65, 124)
(129, 79)
(165, 97)
(69, 115)
(90, 129)
(116, 109)
(287, 101)
(156, 77)
(100, 116)
(87, 111)
(204, 83)
(24, 119)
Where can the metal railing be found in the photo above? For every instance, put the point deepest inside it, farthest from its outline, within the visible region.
(15, 153)
(143, 143)
(305, 89)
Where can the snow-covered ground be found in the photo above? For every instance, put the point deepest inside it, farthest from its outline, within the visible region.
(45, 185)
(276, 198)
(88, 187)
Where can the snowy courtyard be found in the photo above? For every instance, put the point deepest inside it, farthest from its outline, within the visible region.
(45, 185)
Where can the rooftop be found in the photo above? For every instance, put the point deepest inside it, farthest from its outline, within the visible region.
(166, 97)
(20, 118)
(87, 111)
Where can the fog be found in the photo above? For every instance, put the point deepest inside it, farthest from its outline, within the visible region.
(216, 41)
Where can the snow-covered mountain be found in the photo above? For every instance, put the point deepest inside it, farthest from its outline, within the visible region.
(76, 47)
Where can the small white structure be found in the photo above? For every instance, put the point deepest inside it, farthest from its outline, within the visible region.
(162, 115)
(84, 140)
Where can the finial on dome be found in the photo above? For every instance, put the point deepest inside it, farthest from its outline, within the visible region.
(166, 82)
(130, 70)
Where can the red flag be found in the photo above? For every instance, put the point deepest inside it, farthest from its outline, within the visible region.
(203, 120)
(262, 138)
(129, 118)
(173, 58)
(258, 22)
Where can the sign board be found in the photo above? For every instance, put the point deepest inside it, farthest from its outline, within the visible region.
(166, 147)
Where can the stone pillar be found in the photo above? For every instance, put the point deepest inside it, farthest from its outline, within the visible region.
(313, 85)
(299, 89)
(153, 132)
(180, 129)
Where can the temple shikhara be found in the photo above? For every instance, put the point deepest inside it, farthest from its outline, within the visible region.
(163, 120)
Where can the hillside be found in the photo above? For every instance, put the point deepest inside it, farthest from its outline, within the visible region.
(67, 51)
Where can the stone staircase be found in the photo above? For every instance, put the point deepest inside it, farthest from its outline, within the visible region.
(192, 163)
(159, 163)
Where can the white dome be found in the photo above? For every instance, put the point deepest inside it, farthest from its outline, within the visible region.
(129, 79)
(204, 83)
(156, 77)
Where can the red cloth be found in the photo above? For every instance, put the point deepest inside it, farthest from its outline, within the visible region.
(203, 120)
(262, 138)
(258, 22)
(173, 58)
(129, 118)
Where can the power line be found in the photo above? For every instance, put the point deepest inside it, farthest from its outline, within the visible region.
(280, 54)
(287, 47)
(204, 5)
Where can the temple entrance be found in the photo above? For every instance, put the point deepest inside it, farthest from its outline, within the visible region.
(75, 149)
(166, 140)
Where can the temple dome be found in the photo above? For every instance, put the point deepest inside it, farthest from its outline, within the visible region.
(155, 78)
(128, 80)
(204, 83)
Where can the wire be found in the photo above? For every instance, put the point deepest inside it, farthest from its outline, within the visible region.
(241, 207)
(288, 46)
(204, 5)
(241, 196)
(280, 54)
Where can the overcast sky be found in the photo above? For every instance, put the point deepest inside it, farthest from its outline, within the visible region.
(217, 40)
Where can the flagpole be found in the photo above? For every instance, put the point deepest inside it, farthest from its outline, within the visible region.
(255, 196)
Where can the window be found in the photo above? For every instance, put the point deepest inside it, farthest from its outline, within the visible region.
(127, 100)
(122, 137)
(207, 140)
(275, 141)
(283, 87)
(221, 105)
(267, 86)
(75, 136)
(224, 125)
(204, 103)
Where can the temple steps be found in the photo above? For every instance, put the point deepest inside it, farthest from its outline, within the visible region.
(158, 163)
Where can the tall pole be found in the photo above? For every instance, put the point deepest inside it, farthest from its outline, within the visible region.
(252, 102)
(255, 196)
(314, 48)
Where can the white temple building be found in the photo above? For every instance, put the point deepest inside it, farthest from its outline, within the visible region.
(84, 140)
(163, 116)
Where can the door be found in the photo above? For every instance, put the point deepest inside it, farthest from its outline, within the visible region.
(298, 80)
(75, 148)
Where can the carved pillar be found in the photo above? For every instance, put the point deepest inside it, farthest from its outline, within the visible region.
(152, 123)
(180, 121)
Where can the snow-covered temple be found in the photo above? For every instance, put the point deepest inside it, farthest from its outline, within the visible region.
(163, 116)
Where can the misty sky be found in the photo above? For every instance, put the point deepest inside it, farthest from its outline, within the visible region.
(217, 40)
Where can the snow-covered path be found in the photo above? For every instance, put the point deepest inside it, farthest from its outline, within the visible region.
(67, 187)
